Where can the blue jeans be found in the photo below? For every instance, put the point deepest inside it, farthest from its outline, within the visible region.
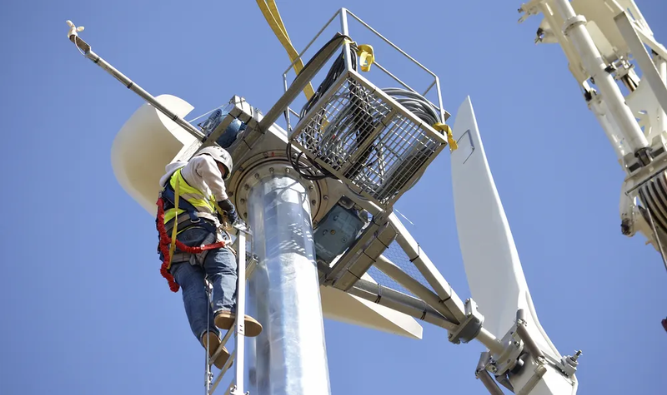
(220, 268)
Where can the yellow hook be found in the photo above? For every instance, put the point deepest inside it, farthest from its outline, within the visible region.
(366, 56)
(441, 127)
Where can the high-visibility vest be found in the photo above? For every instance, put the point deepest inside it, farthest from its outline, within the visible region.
(191, 200)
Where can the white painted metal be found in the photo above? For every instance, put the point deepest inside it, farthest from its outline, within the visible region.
(240, 312)
(649, 70)
(492, 265)
(592, 61)
(601, 112)
(599, 34)
(340, 306)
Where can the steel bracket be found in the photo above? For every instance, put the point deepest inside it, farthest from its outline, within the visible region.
(470, 327)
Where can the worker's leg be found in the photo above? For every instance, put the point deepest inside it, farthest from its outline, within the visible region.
(220, 266)
(191, 280)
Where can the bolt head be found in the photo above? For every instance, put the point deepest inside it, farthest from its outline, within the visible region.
(313, 202)
(246, 187)
(325, 197)
(257, 176)
(271, 170)
(242, 201)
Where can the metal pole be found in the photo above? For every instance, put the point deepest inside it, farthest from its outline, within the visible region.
(400, 302)
(291, 354)
(129, 84)
(599, 108)
(346, 46)
(240, 312)
(661, 65)
(429, 297)
(485, 377)
(208, 360)
(576, 32)
(300, 82)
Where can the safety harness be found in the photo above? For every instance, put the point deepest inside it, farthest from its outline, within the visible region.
(167, 244)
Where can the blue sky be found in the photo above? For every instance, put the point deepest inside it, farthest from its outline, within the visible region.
(84, 309)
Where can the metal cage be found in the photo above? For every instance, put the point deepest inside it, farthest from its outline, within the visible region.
(364, 136)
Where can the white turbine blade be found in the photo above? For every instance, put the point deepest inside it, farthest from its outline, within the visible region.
(492, 265)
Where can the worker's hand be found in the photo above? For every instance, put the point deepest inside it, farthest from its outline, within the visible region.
(229, 210)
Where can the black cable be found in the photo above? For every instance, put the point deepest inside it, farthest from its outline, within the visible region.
(310, 140)
(416, 103)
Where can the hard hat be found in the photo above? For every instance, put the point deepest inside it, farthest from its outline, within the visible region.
(219, 155)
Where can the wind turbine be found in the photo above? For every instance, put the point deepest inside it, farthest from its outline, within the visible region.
(319, 196)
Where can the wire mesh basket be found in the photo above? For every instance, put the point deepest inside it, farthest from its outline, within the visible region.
(378, 142)
(367, 139)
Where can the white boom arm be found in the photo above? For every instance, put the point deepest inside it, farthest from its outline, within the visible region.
(605, 41)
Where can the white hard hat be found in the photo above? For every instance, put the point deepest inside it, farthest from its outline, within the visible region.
(219, 155)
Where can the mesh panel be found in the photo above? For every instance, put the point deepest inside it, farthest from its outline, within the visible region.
(359, 135)
(396, 254)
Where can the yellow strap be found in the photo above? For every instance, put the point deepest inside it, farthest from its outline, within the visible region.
(174, 232)
(441, 127)
(366, 56)
(272, 16)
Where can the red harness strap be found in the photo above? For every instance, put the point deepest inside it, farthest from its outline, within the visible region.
(165, 241)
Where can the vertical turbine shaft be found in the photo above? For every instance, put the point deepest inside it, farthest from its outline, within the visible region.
(290, 354)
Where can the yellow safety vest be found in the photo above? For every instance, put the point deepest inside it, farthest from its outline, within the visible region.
(205, 206)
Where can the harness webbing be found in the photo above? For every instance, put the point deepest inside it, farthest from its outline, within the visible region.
(173, 242)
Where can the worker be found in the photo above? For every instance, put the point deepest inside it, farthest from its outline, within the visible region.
(204, 204)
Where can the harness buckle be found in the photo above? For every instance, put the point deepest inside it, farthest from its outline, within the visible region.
(194, 218)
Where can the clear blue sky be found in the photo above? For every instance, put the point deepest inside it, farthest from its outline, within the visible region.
(84, 309)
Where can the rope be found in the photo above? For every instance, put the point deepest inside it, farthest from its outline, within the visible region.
(272, 16)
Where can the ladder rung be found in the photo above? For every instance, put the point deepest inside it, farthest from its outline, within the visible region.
(224, 369)
(224, 341)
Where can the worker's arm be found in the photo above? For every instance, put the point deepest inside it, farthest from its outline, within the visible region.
(206, 168)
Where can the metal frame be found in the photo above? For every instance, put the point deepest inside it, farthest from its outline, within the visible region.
(344, 13)
(376, 192)
(442, 308)
(395, 109)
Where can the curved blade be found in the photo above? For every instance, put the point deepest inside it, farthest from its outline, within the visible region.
(492, 265)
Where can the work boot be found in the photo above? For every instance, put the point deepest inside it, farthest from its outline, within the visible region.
(225, 320)
(214, 342)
